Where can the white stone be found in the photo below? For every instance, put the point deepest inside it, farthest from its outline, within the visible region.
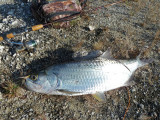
(91, 28)
(15, 23)
(1, 96)
(1, 48)
(1, 25)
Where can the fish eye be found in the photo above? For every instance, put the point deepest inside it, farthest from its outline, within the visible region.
(33, 77)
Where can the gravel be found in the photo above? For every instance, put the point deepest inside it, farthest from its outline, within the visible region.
(125, 28)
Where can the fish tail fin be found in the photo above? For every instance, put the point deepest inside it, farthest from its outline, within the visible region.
(143, 62)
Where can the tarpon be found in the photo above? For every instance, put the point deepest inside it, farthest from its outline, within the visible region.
(88, 76)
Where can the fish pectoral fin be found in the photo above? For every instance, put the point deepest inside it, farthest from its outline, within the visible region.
(100, 96)
(107, 55)
(67, 91)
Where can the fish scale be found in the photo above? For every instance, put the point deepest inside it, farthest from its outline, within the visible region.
(83, 76)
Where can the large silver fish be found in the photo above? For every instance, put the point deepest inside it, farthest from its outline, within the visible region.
(94, 76)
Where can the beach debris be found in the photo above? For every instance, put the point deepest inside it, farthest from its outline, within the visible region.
(48, 11)
(91, 76)
(91, 28)
(29, 45)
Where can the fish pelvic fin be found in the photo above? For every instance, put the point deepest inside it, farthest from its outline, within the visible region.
(100, 96)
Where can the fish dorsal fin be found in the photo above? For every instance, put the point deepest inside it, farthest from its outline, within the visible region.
(100, 96)
(107, 54)
(67, 91)
(91, 55)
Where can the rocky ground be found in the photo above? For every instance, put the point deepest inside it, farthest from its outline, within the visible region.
(127, 28)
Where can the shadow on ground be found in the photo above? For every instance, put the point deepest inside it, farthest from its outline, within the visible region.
(58, 56)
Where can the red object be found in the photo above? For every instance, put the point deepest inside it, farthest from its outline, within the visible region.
(62, 11)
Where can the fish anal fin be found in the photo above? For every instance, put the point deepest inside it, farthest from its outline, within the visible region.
(67, 91)
(100, 96)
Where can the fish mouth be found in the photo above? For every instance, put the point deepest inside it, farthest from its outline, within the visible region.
(25, 77)
(29, 84)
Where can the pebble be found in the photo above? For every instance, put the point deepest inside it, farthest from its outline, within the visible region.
(10, 12)
(91, 28)
(31, 54)
(142, 106)
(1, 96)
(135, 102)
(15, 23)
(108, 96)
(1, 25)
(133, 89)
(5, 20)
(1, 48)
(93, 113)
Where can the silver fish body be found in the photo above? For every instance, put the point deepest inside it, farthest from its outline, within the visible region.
(84, 77)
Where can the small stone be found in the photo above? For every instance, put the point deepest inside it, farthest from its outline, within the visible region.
(22, 118)
(22, 4)
(93, 113)
(155, 114)
(14, 55)
(31, 110)
(15, 23)
(135, 102)
(31, 54)
(1, 96)
(108, 96)
(133, 89)
(5, 20)
(91, 28)
(10, 12)
(142, 106)
(1, 48)
(1, 25)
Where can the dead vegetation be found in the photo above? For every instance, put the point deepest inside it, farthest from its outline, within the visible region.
(78, 46)
(98, 45)
(156, 39)
(12, 90)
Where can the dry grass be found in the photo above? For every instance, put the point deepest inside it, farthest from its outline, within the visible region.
(98, 45)
(42, 116)
(125, 48)
(12, 90)
(156, 39)
(78, 46)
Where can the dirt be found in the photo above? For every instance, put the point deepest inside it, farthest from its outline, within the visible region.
(126, 28)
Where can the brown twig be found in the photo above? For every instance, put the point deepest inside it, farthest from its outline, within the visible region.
(129, 103)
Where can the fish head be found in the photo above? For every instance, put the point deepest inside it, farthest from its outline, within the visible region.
(42, 82)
